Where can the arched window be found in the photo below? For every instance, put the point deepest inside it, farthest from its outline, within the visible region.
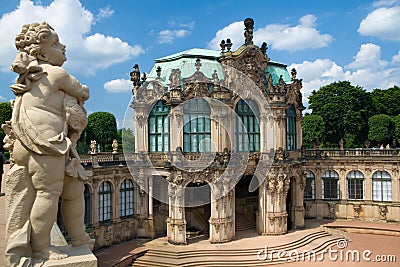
(88, 206)
(355, 185)
(197, 126)
(309, 189)
(126, 198)
(159, 128)
(105, 202)
(291, 135)
(330, 185)
(381, 186)
(247, 126)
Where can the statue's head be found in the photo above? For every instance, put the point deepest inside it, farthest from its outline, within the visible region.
(40, 41)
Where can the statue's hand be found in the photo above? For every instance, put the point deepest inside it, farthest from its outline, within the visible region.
(85, 93)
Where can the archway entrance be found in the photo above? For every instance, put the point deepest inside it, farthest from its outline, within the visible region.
(246, 205)
(197, 211)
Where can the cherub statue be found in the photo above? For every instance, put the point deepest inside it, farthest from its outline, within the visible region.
(47, 120)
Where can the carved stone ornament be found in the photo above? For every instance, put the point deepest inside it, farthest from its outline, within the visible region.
(149, 92)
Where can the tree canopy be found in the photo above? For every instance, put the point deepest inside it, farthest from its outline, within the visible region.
(5, 115)
(345, 110)
(313, 129)
(126, 137)
(386, 101)
(102, 127)
(381, 129)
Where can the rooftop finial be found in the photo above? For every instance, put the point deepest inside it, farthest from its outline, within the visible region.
(135, 78)
(248, 33)
(198, 64)
(158, 71)
(228, 44)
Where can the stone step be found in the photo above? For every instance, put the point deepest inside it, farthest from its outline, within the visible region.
(295, 243)
(225, 260)
(315, 241)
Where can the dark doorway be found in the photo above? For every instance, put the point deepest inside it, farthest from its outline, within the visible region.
(289, 204)
(197, 211)
(246, 205)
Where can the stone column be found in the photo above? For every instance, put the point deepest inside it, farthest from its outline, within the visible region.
(150, 220)
(95, 204)
(298, 207)
(319, 213)
(140, 128)
(273, 213)
(176, 223)
(280, 129)
(222, 220)
(176, 122)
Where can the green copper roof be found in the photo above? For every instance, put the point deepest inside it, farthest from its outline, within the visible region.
(194, 52)
(276, 70)
(186, 60)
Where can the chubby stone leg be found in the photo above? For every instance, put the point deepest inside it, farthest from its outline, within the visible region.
(73, 212)
(47, 177)
(41, 226)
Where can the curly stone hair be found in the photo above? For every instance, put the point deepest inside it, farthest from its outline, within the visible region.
(31, 36)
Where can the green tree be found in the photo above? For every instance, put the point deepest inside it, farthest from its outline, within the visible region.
(126, 137)
(345, 110)
(5, 115)
(396, 121)
(101, 127)
(386, 101)
(381, 129)
(313, 129)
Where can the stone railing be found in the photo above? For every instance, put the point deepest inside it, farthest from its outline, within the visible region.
(162, 159)
(358, 152)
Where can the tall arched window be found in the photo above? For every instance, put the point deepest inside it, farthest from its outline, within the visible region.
(88, 206)
(381, 186)
(126, 198)
(355, 185)
(291, 135)
(197, 126)
(330, 185)
(105, 202)
(247, 126)
(159, 128)
(309, 189)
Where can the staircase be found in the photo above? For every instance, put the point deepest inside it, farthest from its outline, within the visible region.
(243, 224)
(316, 240)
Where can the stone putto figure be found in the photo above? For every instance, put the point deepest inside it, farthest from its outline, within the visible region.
(47, 120)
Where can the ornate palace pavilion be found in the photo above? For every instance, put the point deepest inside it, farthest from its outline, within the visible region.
(218, 141)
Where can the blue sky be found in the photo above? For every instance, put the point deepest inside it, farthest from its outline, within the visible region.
(325, 41)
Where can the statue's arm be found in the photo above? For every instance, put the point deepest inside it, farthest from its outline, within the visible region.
(70, 85)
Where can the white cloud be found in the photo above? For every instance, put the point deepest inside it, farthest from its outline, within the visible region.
(383, 23)
(104, 13)
(278, 36)
(396, 58)
(168, 36)
(73, 23)
(385, 3)
(234, 31)
(369, 56)
(369, 74)
(118, 85)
